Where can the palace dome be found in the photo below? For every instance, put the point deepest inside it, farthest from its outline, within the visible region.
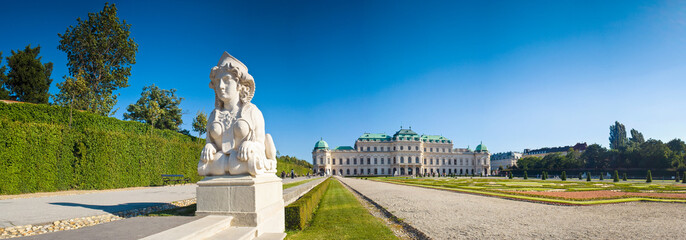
(481, 148)
(321, 144)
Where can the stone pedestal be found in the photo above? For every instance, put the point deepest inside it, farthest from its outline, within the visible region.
(252, 201)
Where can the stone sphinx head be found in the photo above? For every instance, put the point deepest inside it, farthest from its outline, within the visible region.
(231, 81)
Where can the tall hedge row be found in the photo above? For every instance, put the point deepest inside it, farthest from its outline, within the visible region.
(40, 152)
(299, 213)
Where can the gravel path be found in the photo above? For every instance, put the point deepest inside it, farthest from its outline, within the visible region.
(450, 215)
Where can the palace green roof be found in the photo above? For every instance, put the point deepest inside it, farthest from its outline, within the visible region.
(321, 144)
(374, 137)
(435, 138)
(481, 148)
(343, 148)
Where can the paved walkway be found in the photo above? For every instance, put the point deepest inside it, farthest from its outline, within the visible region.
(450, 215)
(46, 209)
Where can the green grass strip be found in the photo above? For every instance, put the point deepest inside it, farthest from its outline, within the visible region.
(341, 216)
(293, 184)
(541, 199)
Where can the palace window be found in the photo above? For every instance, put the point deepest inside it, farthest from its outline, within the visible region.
(402, 160)
(347, 162)
(416, 159)
(382, 163)
(367, 149)
(355, 161)
(369, 161)
(431, 161)
(334, 162)
(416, 148)
(401, 148)
(375, 161)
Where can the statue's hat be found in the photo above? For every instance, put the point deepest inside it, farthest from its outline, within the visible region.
(227, 62)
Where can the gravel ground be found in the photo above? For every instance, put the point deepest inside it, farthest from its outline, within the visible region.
(450, 215)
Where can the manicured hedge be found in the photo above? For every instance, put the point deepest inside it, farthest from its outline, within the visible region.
(301, 211)
(40, 152)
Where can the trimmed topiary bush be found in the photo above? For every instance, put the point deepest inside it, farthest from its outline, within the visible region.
(649, 177)
(588, 176)
(300, 212)
(601, 177)
(526, 176)
(509, 175)
(615, 178)
(677, 176)
(581, 176)
(624, 177)
(564, 176)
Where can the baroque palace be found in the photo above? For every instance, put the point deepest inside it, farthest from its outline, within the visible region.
(404, 153)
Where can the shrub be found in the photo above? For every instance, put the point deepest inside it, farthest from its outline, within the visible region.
(580, 176)
(615, 178)
(588, 176)
(509, 175)
(624, 177)
(300, 212)
(649, 177)
(677, 177)
(526, 176)
(564, 176)
(543, 175)
(683, 179)
(40, 152)
(601, 176)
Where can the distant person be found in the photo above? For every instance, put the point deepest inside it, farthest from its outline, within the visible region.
(292, 174)
(283, 174)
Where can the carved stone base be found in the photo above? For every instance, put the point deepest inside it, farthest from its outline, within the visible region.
(252, 201)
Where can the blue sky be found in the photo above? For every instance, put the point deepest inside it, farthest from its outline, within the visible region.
(513, 74)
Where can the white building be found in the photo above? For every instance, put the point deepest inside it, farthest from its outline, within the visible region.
(404, 153)
(505, 160)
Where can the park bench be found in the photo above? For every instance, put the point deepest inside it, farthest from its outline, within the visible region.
(177, 178)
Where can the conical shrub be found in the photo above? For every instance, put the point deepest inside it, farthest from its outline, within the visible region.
(526, 176)
(649, 177)
(564, 176)
(624, 177)
(588, 176)
(616, 177)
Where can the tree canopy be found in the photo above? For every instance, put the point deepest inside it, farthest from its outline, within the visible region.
(200, 123)
(100, 51)
(618, 138)
(28, 79)
(158, 107)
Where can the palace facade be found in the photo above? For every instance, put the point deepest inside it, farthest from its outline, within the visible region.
(404, 153)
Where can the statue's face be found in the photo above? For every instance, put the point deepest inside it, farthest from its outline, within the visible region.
(227, 88)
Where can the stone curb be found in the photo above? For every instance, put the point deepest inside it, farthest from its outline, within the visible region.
(76, 223)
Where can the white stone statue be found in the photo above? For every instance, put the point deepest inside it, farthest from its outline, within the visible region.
(236, 140)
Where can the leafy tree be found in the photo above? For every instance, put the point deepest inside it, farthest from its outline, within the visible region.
(4, 93)
(72, 89)
(28, 79)
(595, 156)
(564, 176)
(200, 123)
(571, 160)
(636, 137)
(649, 177)
(528, 162)
(618, 138)
(676, 145)
(615, 178)
(169, 114)
(655, 154)
(100, 49)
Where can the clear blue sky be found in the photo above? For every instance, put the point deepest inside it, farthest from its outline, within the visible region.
(513, 74)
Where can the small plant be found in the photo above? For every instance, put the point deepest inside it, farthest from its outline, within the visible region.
(509, 175)
(588, 176)
(564, 176)
(624, 177)
(649, 177)
(543, 175)
(615, 177)
(526, 176)
(601, 176)
(581, 176)
(683, 179)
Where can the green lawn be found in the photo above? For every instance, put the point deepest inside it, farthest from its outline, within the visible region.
(512, 188)
(341, 216)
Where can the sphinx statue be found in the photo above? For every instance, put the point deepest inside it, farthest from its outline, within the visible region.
(237, 143)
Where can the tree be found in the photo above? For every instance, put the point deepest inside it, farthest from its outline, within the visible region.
(166, 100)
(676, 145)
(100, 49)
(615, 178)
(200, 123)
(580, 176)
(618, 138)
(72, 89)
(28, 79)
(636, 137)
(4, 93)
(595, 156)
(649, 177)
(564, 176)
(655, 154)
